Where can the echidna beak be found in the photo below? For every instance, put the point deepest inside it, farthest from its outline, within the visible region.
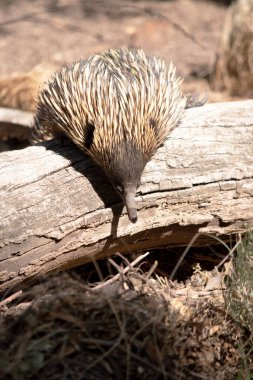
(131, 205)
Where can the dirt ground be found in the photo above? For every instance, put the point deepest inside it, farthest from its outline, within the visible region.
(59, 32)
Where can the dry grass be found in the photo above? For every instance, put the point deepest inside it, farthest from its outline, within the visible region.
(239, 295)
(138, 326)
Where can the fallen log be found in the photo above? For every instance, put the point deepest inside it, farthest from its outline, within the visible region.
(15, 123)
(58, 210)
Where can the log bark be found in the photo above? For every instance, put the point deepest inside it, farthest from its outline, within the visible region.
(16, 116)
(15, 123)
(58, 210)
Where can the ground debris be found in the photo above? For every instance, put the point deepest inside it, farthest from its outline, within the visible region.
(74, 331)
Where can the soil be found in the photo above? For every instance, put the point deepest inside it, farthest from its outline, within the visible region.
(60, 32)
(38, 37)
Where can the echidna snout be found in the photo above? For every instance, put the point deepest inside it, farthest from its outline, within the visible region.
(124, 165)
(131, 207)
(127, 193)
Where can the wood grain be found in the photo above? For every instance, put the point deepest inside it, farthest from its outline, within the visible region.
(58, 210)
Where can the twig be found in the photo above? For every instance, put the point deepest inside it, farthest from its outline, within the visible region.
(194, 294)
(152, 269)
(11, 298)
(190, 245)
(124, 271)
(230, 254)
(195, 237)
(100, 274)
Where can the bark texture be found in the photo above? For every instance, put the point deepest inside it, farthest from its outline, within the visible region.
(58, 210)
(15, 123)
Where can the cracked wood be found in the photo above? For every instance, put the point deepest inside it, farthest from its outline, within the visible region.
(58, 210)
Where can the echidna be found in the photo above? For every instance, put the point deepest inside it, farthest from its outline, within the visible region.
(118, 107)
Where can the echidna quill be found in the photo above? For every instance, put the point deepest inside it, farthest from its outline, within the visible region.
(118, 107)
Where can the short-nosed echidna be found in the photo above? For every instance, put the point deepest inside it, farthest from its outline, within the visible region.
(118, 107)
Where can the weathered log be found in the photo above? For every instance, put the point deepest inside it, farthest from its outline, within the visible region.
(15, 123)
(15, 128)
(58, 210)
